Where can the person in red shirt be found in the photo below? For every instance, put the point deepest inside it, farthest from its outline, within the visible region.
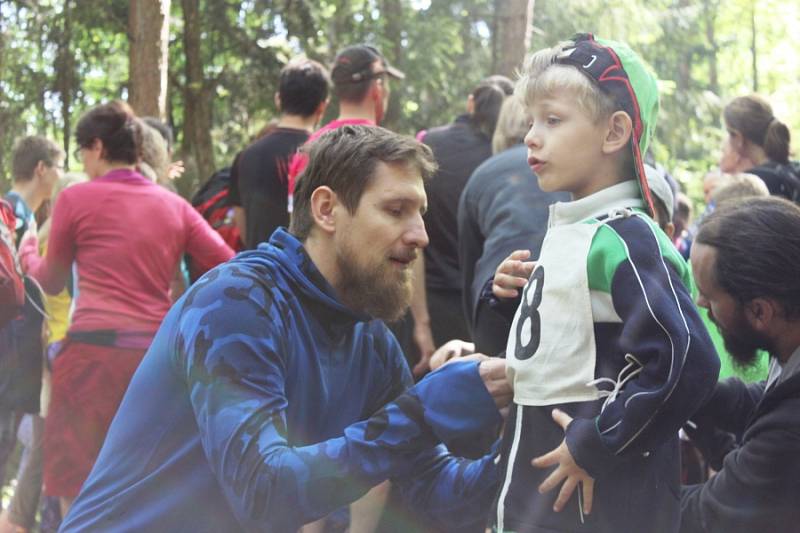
(122, 236)
(360, 76)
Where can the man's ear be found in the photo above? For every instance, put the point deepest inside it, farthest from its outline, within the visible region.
(39, 169)
(321, 108)
(323, 208)
(669, 229)
(618, 132)
(376, 90)
(471, 105)
(761, 312)
(277, 100)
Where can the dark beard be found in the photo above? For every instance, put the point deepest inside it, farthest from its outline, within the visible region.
(742, 342)
(743, 351)
(376, 292)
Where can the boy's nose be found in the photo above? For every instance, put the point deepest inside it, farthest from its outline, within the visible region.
(532, 139)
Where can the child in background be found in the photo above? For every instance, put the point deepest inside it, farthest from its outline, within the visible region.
(606, 339)
(21, 513)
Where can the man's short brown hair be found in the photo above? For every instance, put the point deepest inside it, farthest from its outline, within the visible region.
(345, 159)
(27, 153)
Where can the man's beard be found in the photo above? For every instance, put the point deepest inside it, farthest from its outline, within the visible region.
(379, 291)
(742, 342)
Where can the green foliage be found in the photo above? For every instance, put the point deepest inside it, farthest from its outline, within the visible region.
(34, 44)
(700, 50)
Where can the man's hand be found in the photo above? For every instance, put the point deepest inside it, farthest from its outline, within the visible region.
(449, 351)
(175, 170)
(493, 373)
(567, 471)
(512, 274)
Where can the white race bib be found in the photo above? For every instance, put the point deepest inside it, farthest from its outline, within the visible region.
(551, 346)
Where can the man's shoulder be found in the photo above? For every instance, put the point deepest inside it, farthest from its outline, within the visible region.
(783, 399)
(280, 142)
(438, 130)
(251, 279)
(18, 205)
(446, 133)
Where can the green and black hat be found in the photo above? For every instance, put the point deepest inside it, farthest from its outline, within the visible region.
(622, 74)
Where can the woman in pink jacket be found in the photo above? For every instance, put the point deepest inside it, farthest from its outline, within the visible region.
(122, 237)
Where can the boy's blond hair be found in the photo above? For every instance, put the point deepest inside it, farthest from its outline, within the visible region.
(542, 77)
(737, 186)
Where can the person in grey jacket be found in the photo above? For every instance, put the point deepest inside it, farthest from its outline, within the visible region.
(744, 261)
(502, 209)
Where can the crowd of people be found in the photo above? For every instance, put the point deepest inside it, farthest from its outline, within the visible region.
(508, 322)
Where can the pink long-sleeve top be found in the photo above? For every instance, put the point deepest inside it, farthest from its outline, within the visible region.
(126, 236)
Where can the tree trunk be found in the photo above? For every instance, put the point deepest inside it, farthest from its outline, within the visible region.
(513, 21)
(65, 77)
(3, 112)
(753, 49)
(148, 28)
(197, 96)
(710, 8)
(392, 13)
(684, 77)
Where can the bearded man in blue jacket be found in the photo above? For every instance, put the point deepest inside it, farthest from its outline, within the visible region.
(273, 395)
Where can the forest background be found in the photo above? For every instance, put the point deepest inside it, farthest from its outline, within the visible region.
(209, 67)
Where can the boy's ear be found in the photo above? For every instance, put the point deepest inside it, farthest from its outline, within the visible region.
(39, 169)
(618, 132)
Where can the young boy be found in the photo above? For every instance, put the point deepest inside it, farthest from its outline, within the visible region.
(606, 351)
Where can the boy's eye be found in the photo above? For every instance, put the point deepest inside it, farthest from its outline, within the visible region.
(551, 121)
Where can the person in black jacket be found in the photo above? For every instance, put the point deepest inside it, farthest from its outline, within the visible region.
(259, 188)
(744, 260)
(458, 148)
(758, 143)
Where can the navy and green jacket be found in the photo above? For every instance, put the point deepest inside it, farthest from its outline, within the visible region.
(652, 349)
(264, 404)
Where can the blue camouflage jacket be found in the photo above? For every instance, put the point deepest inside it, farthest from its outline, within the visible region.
(264, 403)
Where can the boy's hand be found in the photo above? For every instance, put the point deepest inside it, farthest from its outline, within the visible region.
(567, 470)
(512, 274)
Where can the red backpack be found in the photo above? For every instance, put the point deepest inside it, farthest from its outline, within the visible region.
(213, 203)
(12, 291)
